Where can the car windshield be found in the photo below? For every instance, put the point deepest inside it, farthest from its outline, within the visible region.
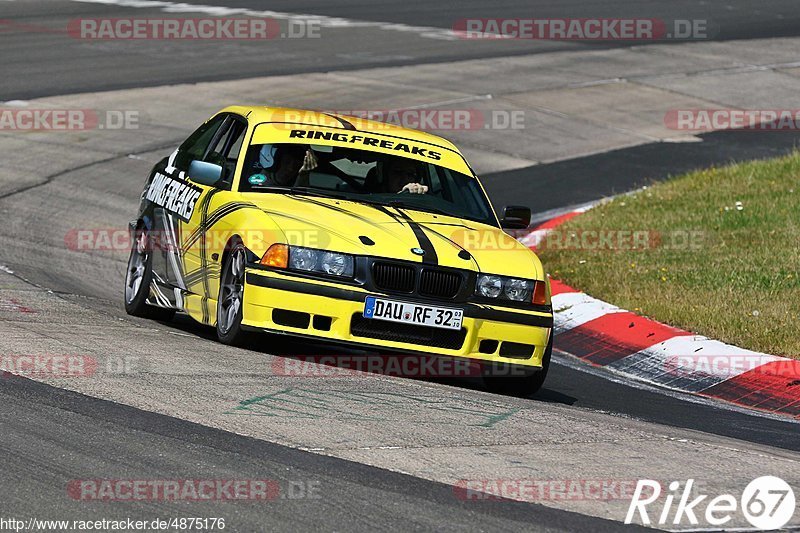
(364, 176)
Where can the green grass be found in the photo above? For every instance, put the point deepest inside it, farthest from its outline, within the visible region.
(736, 282)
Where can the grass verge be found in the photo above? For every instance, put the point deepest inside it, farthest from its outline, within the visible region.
(716, 252)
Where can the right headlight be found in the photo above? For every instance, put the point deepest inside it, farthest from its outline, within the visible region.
(506, 288)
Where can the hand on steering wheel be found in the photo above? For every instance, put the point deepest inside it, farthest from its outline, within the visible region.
(414, 188)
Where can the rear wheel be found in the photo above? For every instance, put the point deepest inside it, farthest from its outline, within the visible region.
(231, 296)
(138, 278)
(496, 378)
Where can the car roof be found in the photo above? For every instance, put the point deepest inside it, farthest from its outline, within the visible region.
(261, 114)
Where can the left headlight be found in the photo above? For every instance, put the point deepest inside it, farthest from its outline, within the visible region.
(320, 261)
(518, 290)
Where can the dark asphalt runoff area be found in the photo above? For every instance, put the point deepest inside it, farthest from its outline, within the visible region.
(53, 438)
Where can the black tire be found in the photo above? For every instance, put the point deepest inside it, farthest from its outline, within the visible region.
(138, 277)
(524, 386)
(231, 295)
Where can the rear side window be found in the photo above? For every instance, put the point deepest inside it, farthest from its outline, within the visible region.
(238, 140)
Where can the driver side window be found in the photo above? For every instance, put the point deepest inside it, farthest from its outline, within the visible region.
(196, 146)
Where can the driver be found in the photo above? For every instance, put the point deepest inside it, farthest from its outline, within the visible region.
(281, 165)
(400, 176)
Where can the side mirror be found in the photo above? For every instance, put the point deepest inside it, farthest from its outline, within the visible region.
(516, 217)
(205, 173)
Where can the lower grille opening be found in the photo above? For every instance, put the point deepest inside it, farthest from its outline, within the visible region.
(488, 346)
(391, 331)
(515, 349)
(292, 319)
(322, 323)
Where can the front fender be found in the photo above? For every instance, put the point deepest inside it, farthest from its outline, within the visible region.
(256, 229)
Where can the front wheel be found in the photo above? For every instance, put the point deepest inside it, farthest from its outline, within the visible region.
(525, 385)
(231, 297)
(138, 279)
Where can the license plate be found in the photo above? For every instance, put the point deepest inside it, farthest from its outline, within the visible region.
(408, 313)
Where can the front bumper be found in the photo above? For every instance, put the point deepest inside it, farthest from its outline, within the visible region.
(339, 307)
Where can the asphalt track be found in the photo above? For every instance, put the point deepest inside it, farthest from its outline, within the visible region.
(50, 436)
(736, 19)
(41, 423)
(40, 59)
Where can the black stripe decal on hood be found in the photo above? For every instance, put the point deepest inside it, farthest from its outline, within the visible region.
(332, 207)
(385, 211)
(453, 243)
(347, 212)
(425, 243)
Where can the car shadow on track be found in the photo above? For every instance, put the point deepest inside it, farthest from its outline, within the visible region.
(338, 356)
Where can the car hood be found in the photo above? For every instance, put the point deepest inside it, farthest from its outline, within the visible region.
(382, 231)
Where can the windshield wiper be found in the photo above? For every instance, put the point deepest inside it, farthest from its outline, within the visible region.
(319, 192)
(309, 191)
(402, 205)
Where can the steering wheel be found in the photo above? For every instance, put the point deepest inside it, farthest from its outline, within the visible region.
(331, 169)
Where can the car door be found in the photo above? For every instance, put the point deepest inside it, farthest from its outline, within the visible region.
(171, 200)
(201, 234)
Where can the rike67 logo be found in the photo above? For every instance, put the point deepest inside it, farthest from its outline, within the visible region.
(767, 503)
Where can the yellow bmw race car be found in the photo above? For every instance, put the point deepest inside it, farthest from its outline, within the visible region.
(339, 229)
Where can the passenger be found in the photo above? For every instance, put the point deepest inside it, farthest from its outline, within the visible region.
(400, 176)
